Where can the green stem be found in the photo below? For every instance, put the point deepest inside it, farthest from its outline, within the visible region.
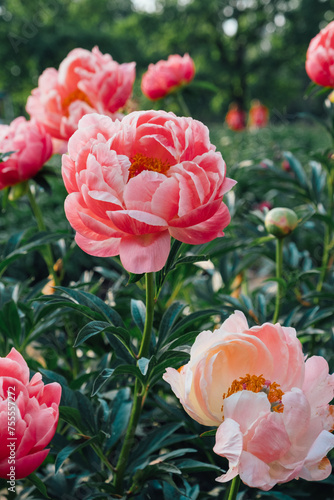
(327, 236)
(182, 103)
(279, 267)
(139, 391)
(104, 459)
(47, 253)
(232, 492)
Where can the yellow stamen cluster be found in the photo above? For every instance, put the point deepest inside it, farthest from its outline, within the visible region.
(140, 162)
(76, 95)
(256, 383)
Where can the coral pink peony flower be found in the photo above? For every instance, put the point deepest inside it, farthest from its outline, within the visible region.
(28, 417)
(235, 118)
(320, 57)
(165, 76)
(270, 405)
(86, 82)
(135, 183)
(32, 146)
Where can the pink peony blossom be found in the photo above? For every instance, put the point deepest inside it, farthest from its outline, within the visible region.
(32, 146)
(135, 183)
(165, 76)
(258, 115)
(235, 118)
(270, 404)
(28, 417)
(86, 82)
(320, 57)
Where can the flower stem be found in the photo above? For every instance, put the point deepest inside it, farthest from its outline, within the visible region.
(327, 236)
(231, 493)
(139, 391)
(279, 266)
(182, 103)
(46, 252)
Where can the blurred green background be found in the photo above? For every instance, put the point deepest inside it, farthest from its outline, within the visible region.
(243, 49)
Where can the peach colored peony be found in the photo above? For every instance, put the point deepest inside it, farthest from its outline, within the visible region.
(270, 405)
(32, 146)
(86, 82)
(28, 417)
(165, 76)
(320, 57)
(135, 183)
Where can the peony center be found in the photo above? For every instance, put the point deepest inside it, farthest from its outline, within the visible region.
(76, 95)
(140, 162)
(256, 383)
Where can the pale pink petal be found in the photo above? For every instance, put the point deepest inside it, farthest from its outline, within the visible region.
(236, 323)
(254, 472)
(246, 407)
(318, 384)
(229, 441)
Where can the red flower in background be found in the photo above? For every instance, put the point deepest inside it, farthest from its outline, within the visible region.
(86, 82)
(165, 76)
(258, 115)
(235, 118)
(135, 183)
(32, 147)
(320, 57)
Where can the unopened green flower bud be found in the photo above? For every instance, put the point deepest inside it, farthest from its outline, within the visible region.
(20, 189)
(280, 222)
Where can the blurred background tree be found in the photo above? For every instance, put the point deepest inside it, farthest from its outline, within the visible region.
(243, 49)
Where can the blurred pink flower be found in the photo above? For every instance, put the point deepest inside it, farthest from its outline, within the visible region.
(258, 115)
(320, 57)
(86, 82)
(235, 118)
(270, 405)
(32, 146)
(135, 183)
(28, 417)
(165, 76)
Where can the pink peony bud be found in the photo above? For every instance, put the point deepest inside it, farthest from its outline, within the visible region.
(166, 76)
(86, 82)
(271, 403)
(32, 147)
(320, 57)
(28, 417)
(280, 222)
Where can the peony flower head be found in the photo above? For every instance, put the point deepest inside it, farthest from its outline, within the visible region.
(320, 57)
(235, 118)
(31, 147)
(258, 115)
(28, 416)
(166, 76)
(86, 82)
(270, 404)
(135, 183)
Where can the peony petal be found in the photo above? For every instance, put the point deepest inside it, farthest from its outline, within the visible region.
(145, 253)
(103, 248)
(229, 441)
(205, 231)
